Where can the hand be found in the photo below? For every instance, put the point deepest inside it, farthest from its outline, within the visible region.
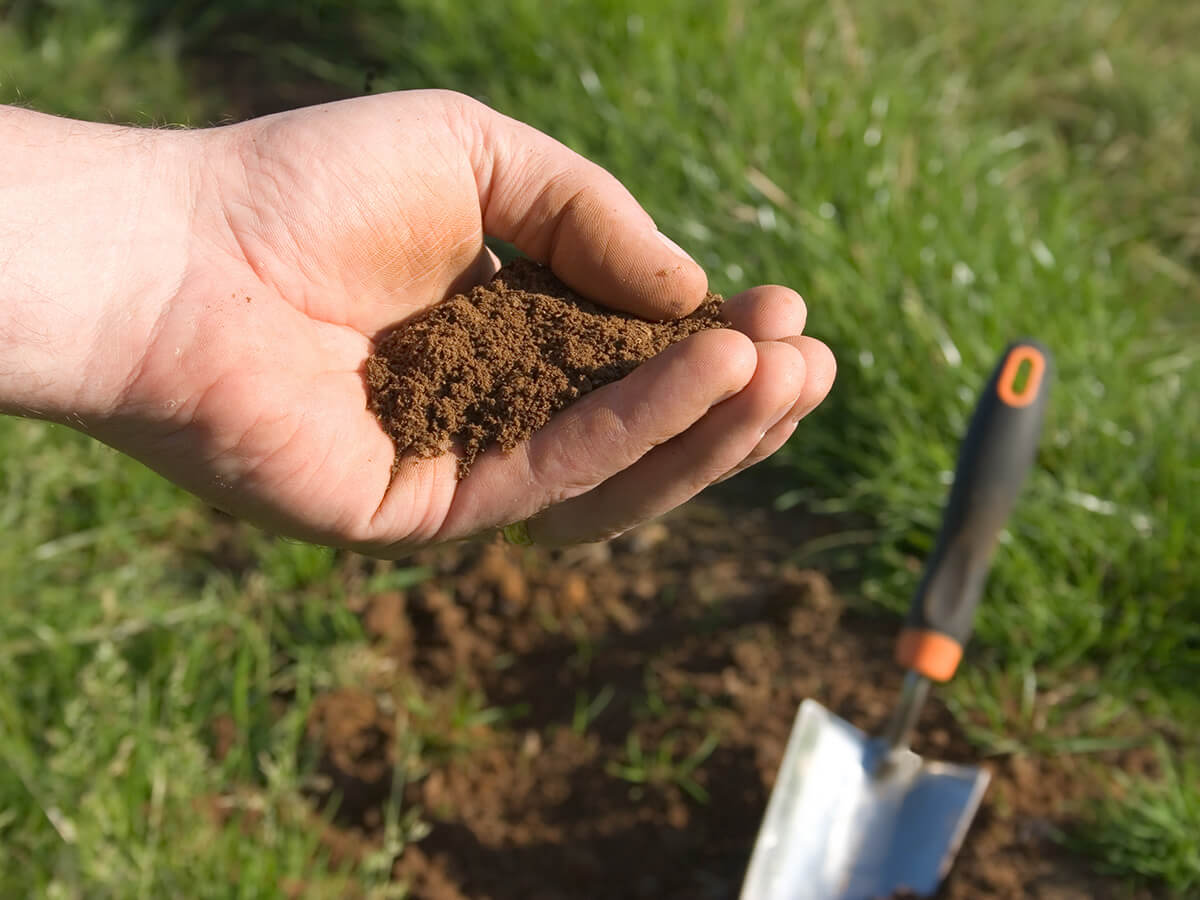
(285, 245)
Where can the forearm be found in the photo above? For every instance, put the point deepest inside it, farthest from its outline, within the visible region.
(93, 222)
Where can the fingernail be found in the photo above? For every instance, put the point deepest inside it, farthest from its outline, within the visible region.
(674, 247)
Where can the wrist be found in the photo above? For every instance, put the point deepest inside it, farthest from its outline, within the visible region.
(94, 226)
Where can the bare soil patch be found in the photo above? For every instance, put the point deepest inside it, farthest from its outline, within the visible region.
(692, 629)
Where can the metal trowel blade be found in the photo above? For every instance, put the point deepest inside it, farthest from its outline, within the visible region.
(839, 826)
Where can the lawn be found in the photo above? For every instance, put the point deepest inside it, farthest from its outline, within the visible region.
(936, 178)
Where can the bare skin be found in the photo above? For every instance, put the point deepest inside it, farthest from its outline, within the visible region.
(205, 300)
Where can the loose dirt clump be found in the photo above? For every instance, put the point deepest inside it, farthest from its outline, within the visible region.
(356, 741)
(492, 366)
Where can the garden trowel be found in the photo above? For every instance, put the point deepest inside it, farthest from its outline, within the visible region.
(860, 817)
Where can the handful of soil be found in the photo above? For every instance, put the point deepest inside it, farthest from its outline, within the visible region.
(491, 367)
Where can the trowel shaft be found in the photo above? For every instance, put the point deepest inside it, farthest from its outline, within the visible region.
(898, 734)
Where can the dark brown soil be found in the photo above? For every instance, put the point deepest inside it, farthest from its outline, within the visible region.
(492, 366)
(691, 627)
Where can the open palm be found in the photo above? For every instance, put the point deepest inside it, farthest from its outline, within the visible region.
(314, 231)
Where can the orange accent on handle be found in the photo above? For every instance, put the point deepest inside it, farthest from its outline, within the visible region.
(1008, 375)
(928, 653)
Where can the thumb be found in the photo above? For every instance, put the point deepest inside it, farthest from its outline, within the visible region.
(563, 210)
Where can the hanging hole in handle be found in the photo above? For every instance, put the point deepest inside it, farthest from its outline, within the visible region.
(1021, 376)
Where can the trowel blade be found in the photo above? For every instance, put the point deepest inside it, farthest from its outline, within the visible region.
(839, 828)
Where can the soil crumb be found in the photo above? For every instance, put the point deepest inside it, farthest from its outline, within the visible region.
(492, 366)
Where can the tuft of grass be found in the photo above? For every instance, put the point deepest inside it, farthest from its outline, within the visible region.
(659, 766)
(1148, 827)
(587, 710)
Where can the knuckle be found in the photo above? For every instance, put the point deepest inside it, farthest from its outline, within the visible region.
(592, 445)
(457, 100)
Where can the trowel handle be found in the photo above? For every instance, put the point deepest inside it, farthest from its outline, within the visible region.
(994, 459)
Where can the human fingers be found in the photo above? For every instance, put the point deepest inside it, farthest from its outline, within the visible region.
(604, 432)
(672, 473)
(822, 369)
(563, 210)
(767, 313)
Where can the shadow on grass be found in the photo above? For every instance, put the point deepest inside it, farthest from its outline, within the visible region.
(265, 57)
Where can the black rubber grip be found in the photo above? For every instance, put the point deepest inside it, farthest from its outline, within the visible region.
(993, 461)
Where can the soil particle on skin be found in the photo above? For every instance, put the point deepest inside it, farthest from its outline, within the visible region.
(492, 366)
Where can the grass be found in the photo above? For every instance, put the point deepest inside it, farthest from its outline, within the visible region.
(1149, 827)
(662, 766)
(935, 177)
